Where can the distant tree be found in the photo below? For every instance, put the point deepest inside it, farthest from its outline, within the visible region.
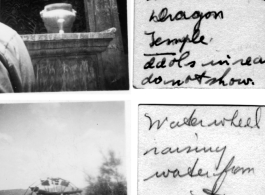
(109, 181)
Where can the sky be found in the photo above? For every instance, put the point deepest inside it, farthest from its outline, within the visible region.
(66, 140)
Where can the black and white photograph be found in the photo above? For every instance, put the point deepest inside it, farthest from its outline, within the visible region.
(74, 148)
(63, 45)
(140, 97)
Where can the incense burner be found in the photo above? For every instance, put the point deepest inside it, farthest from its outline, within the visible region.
(58, 17)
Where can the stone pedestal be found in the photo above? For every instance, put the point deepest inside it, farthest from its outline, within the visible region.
(70, 61)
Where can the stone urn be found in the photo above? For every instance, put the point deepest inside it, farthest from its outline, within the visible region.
(58, 17)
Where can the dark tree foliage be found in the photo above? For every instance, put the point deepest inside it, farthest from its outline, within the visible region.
(109, 181)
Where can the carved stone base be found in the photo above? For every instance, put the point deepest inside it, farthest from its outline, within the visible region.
(66, 74)
(68, 62)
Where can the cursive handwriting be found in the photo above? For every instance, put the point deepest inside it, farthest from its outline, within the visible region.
(170, 59)
(188, 149)
(200, 172)
(164, 16)
(196, 38)
(222, 175)
(193, 171)
(151, 63)
(186, 39)
(202, 78)
(193, 121)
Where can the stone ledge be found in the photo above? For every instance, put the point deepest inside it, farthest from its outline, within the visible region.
(110, 33)
(40, 45)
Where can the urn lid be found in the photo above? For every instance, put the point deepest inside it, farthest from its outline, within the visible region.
(54, 6)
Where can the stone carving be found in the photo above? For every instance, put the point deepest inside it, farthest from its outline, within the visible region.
(69, 61)
(66, 73)
(58, 17)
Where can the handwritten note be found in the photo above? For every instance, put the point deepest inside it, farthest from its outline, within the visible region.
(199, 44)
(201, 150)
